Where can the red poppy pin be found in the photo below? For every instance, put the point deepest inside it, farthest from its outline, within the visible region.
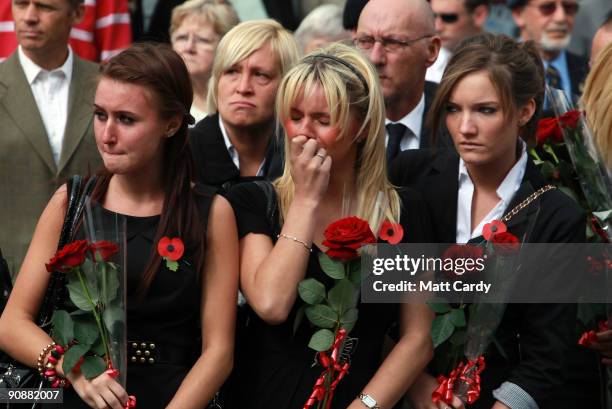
(392, 233)
(493, 228)
(171, 250)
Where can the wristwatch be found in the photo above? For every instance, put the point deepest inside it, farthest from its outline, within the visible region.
(368, 401)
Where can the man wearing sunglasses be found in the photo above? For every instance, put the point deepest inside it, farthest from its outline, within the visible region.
(456, 20)
(399, 39)
(550, 23)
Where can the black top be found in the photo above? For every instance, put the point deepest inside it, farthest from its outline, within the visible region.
(214, 165)
(274, 367)
(168, 315)
(537, 338)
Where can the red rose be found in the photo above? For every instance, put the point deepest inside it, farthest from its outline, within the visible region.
(345, 236)
(171, 249)
(570, 119)
(549, 131)
(465, 252)
(492, 228)
(68, 257)
(392, 233)
(505, 242)
(105, 249)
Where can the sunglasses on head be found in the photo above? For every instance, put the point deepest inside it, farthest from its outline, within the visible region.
(447, 17)
(549, 8)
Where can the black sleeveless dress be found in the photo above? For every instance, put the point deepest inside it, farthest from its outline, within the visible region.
(273, 366)
(164, 325)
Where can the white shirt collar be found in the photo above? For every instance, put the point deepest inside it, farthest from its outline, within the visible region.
(231, 149)
(414, 119)
(32, 70)
(505, 191)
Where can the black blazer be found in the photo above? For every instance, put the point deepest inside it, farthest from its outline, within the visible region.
(213, 163)
(534, 337)
(578, 68)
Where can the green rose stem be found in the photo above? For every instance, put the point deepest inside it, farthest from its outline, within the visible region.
(94, 311)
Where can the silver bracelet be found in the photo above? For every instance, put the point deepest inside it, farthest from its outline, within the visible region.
(303, 243)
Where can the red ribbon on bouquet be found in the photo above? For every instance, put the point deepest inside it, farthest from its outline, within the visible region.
(591, 336)
(333, 368)
(469, 374)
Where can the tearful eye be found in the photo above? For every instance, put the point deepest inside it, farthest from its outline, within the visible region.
(488, 110)
(450, 108)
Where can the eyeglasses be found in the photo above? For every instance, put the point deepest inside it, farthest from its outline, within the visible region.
(447, 18)
(549, 8)
(390, 45)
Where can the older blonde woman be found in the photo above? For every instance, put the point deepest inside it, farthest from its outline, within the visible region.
(195, 30)
(332, 110)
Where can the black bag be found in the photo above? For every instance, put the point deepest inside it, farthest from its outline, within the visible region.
(14, 374)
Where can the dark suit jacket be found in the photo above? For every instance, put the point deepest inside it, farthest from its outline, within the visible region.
(443, 139)
(535, 337)
(578, 68)
(213, 163)
(28, 173)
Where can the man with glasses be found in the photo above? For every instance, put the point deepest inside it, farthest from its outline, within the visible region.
(456, 20)
(398, 37)
(549, 23)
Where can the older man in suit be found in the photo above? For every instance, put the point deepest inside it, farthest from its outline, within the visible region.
(46, 97)
(399, 38)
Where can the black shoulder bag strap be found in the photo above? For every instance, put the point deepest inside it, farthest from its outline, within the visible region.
(271, 203)
(78, 192)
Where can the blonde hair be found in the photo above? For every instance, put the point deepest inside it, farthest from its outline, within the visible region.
(352, 90)
(218, 13)
(243, 40)
(597, 103)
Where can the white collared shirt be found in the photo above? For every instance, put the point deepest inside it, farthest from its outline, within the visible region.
(505, 191)
(234, 153)
(413, 121)
(50, 90)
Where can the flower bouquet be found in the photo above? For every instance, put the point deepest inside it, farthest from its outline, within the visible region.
(472, 333)
(335, 312)
(568, 156)
(91, 329)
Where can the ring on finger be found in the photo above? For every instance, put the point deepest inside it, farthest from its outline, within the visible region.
(320, 155)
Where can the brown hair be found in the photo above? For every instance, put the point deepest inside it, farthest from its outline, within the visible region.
(163, 73)
(515, 70)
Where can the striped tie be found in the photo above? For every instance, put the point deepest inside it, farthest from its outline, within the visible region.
(553, 79)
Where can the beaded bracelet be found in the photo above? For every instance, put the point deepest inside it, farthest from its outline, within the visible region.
(40, 363)
(50, 373)
(303, 243)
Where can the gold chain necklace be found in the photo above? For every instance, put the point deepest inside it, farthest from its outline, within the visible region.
(527, 202)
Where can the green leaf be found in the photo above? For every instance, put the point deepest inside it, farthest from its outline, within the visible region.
(441, 329)
(349, 318)
(322, 316)
(63, 327)
(321, 340)
(171, 264)
(91, 278)
(98, 347)
(439, 306)
(354, 268)
(109, 280)
(77, 294)
(333, 268)
(93, 366)
(457, 317)
(569, 192)
(342, 296)
(85, 330)
(311, 291)
(72, 356)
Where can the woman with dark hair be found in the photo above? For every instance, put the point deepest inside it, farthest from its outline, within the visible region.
(140, 123)
(490, 98)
